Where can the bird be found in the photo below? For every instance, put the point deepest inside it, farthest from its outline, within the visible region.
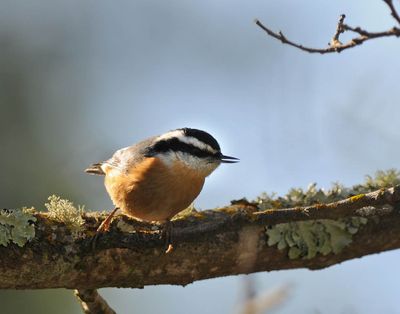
(159, 177)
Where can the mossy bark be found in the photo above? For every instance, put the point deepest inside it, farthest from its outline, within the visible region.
(208, 244)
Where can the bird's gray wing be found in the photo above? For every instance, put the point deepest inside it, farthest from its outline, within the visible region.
(124, 158)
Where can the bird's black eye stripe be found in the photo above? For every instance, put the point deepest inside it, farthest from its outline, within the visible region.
(175, 145)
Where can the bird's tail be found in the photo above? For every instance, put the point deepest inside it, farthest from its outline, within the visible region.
(95, 169)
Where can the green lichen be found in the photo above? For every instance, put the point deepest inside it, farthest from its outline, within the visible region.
(64, 211)
(305, 239)
(312, 195)
(16, 225)
(298, 197)
(382, 179)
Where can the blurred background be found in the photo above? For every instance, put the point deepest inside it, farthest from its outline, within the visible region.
(79, 80)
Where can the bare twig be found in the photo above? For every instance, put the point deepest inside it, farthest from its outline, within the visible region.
(335, 45)
(365, 35)
(284, 40)
(92, 302)
(393, 10)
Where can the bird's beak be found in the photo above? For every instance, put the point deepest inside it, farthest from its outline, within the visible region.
(228, 159)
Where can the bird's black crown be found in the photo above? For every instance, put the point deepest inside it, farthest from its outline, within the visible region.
(178, 144)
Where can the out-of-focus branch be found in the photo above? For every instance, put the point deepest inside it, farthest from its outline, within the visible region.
(92, 302)
(266, 301)
(335, 45)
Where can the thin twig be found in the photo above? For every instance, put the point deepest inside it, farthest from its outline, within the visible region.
(393, 10)
(92, 302)
(370, 35)
(335, 45)
(284, 40)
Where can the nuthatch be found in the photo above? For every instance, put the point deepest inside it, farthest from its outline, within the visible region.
(157, 178)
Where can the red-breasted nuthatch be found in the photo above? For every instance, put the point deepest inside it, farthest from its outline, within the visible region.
(160, 176)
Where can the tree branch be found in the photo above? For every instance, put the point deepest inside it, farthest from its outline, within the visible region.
(335, 45)
(208, 244)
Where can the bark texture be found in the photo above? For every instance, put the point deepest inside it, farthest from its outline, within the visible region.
(208, 244)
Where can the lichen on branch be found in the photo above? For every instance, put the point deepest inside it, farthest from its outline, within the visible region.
(306, 239)
(310, 228)
(16, 226)
(63, 210)
(314, 195)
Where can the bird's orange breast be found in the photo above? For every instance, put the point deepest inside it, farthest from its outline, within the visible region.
(152, 190)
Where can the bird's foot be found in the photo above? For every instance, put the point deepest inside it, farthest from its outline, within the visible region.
(168, 230)
(104, 227)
